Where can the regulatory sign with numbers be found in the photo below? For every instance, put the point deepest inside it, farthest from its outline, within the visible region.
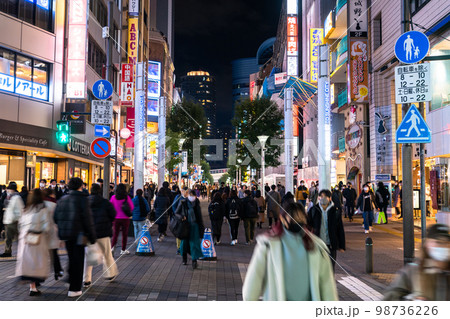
(101, 112)
(412, 83)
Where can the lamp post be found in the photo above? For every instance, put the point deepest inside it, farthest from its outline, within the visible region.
(180, 148)
(262, 139)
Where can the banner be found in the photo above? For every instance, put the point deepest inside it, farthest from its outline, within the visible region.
(130, 126)
(358, 71)
(184, 167)
(132, 39)
(315, 39)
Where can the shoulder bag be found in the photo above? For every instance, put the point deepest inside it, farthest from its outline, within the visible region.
(126, 208)
(33, 237)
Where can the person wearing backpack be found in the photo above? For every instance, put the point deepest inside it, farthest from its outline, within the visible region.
(140, 211)
(216, 210)
(233, 213)
(249, 216)
(124, 206)
(161, 207)
(382, 199)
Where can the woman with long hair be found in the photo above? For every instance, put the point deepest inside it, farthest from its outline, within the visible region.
(161, 207)
(290, 263)
(122, 204)
(33, 256)
(261, 208)
(428, 279)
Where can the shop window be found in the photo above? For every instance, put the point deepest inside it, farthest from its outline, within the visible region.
(12, 168)
(440, 75)
(36, 12)
(23, 75)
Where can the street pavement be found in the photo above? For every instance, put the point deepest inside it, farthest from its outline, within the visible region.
(163, 277)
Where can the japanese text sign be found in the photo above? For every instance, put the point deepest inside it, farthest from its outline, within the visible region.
(315, 40)
(358, 72)
(132, 40)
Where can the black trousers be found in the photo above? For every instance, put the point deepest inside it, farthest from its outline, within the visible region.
(216, 227)
(162, 228)
(76, 264)
(234, 227)
(350, 211)
(332, 256)
(270, 220)
(55, 260)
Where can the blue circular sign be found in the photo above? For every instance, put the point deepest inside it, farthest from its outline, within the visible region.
(102, 89)
(412, 47)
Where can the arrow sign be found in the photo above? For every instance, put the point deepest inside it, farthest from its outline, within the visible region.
(102, 131)
(413, 128)
(100, 147)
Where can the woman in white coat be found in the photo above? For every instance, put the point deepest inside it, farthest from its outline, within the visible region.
(290, 263)
(33, 257)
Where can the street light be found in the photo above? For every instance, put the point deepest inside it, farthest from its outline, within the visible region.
(263, 139)
(180, 146)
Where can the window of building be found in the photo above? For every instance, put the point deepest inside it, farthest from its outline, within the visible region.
(116, 36)
(36, 12)
(377, 35)
(440, 71)
(115, 79)
(416, 5)
(23, 75)
(99, 11)
(96, 57)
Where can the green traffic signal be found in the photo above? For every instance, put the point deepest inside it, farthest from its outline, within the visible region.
(63, 132)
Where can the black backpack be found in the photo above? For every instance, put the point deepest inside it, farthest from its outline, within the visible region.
(212, 209)
(234, 214)
(126, 208)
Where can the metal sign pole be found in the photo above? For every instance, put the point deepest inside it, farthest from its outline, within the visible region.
(423, 202)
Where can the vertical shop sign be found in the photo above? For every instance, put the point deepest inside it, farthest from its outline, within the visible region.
(130, 126)
(76, 53)
(358, 72)
(357, 18)
(292, 38)
(315, 40)
(132, 39)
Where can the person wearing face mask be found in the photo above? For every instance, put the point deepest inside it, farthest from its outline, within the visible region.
(184, 192)
(427, 279)
(42, 184)
(326, 222)
(190, 208)
(366, 204)
(290, 263)
(337, 199)
(14, 206)
(301, 194)
(350, 198)
(313, 195)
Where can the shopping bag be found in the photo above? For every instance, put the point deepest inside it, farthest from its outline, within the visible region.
(376, 217)
(93, 255)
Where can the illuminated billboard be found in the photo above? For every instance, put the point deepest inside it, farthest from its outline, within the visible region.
(315, 40)
(132, 39)
(77, 46)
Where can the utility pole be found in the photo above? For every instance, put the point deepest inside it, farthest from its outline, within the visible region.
(139, 127)
(107, 160)
(288, 139)
(407, 185)
(324, 116)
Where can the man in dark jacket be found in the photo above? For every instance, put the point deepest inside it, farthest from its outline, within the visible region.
(233, 211)
(350, 197)
(216, 210)
(326, 223)
(103, 214)
(366, 204)
(382, 198)
(76, 227)
(337, 199)
(249, 216)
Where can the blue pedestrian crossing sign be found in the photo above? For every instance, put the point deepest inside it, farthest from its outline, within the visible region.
(102, 89)
(412, 47)
(413, 128)
(102, 131)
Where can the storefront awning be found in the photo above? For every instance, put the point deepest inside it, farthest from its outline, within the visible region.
(303, 91)
(352, 173)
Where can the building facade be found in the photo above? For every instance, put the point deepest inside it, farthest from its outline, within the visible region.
(240, 73)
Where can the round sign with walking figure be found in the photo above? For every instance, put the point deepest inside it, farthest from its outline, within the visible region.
(102, 89)
(100, 147)
(412, 47)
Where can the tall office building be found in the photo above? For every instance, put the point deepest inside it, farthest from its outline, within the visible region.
(240, 73)
(201, 87)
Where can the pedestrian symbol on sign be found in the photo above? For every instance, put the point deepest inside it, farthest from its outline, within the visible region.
(413, 128)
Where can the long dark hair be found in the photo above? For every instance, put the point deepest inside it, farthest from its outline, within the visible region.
(295, 211)
(35, 198)
(121, 191)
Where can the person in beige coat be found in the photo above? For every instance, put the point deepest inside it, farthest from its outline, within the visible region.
(290, 263)
(33, 259)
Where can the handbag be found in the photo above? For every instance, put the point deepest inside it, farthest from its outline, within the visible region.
(93, 255)
(179, 226)
(33, 237)
(126, 208)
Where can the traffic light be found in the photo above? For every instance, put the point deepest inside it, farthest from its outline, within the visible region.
(63, 132)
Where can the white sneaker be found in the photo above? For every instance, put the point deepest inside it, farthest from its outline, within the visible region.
(233, 242)
(124, 252)
(366, 231)
(112, 250)
(74, 293)
(218, 243)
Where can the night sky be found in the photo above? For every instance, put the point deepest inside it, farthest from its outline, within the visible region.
(209, 34)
